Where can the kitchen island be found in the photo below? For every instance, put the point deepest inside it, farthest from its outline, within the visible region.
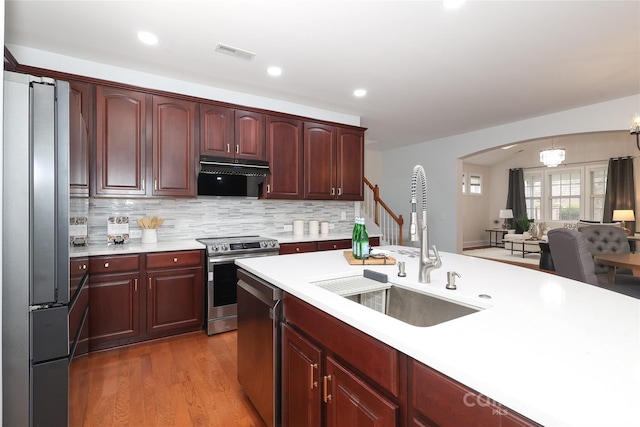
(557, 351)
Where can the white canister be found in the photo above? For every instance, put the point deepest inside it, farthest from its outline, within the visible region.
(314, 226)
(149, 235)
(298, 226)
(324, 227)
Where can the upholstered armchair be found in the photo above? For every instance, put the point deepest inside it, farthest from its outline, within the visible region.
(605, 239)
(571, 255)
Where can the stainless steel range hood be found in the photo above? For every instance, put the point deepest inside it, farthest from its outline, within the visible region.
(221, 165)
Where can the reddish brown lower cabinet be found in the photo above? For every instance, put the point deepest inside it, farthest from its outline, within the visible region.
(437, 400)
(131, 303)
(175, 295)
(330, 373)
(301, 381)
(322, 245)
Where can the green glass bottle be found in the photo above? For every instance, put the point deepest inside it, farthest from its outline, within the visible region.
(363, 241)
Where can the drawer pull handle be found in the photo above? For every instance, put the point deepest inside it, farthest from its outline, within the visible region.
(228, 149)
(135, 285)
(313, 384)
(106, 265)
(326, 396)
(175, 260)
(84, 266)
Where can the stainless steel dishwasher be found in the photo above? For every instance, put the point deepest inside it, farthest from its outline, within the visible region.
(259, 316)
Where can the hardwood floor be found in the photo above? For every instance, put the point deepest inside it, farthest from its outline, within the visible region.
(188, 380)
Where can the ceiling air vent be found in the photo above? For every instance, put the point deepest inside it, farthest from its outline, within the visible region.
(234, 51)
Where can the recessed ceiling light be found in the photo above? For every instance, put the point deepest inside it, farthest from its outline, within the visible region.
(359, 92)
(147, 37)
(452, 4)
(274, 71)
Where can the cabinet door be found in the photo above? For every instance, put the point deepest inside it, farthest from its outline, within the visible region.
(175, 300)
(284, 154)
(120, 142)
(80, 102)
(301, 380)
(319, 161)
(114, 312)
(216, 131)
(174, 150)
(352, 403)
(350, 164)
(249, 135)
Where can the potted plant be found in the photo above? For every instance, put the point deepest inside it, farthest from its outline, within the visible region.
(523, 222)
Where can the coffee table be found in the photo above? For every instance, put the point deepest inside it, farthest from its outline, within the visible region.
(630, 261)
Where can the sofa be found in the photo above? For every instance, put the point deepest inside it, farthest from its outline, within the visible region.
(521, 243)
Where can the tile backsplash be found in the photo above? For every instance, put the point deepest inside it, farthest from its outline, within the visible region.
(211, 217)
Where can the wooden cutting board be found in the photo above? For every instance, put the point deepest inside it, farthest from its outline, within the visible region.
(369, 261)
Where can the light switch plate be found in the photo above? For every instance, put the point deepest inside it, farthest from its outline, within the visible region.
(135, 233)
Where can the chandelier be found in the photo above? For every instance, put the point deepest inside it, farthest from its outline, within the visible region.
(552, 157)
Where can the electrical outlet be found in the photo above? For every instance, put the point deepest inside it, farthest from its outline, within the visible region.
(288, 227)
(135, 233)
(343, 215)
(331, 226)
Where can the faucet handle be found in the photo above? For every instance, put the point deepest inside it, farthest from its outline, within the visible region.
(438, 262)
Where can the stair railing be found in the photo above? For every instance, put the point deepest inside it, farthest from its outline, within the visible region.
(390, 224)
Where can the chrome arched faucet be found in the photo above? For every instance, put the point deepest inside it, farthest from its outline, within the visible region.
(427, 264)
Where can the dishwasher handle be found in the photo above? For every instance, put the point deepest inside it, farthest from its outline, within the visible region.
(267, 293)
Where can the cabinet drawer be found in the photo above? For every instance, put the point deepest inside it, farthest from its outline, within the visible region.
(330, 245)
(175, 259)
(114, 264)
(78, 266)
(297, 248)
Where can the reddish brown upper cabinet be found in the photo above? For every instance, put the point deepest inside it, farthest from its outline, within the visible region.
(231, 133)
(120, 158)
(174, 147)
(284, 154)
(80, 131)
(333, 162)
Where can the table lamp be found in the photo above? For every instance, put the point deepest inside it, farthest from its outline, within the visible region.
(506, 214)
(623, 215)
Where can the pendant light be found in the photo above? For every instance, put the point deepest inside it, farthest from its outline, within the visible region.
(552, 157)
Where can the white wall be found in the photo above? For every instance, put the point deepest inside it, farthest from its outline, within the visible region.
(440, 158)
(373, 166)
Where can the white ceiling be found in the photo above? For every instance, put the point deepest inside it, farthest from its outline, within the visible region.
(429, 72)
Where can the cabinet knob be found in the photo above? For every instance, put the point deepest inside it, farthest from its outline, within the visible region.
(175, 259)
(335, 246)
(84, 266)
(106, 265)
(297, 249)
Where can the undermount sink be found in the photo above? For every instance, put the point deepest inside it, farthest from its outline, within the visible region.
(409, 306)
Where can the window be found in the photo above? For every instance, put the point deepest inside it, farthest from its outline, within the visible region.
(533, 195)
(471, 183)
(475, 184)
(565, 195)
(559, 194)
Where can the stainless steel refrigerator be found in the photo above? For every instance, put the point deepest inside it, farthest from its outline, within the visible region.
(35, 252)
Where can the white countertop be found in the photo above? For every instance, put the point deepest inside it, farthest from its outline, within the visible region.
(560, 352)
(134, 248)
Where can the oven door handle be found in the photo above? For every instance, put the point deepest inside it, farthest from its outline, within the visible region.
(231, 258)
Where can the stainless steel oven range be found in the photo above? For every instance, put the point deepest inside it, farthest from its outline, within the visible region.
(221, 299)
